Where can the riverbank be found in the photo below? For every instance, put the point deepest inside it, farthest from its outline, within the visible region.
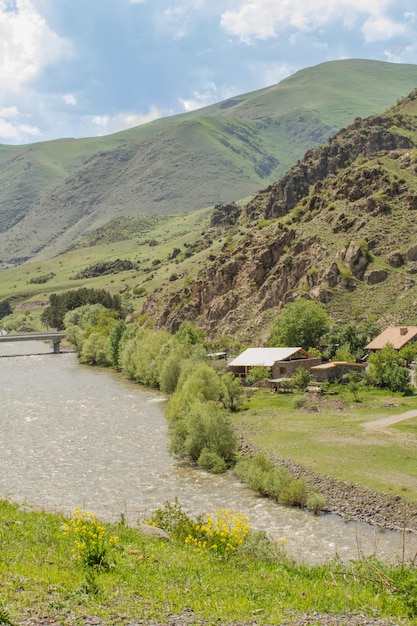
(348, 500)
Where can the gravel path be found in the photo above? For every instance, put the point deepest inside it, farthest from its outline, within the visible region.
(383, 422)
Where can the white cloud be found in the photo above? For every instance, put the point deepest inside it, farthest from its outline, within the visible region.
(27, 44)
(402, 54)
(112, 124)
(13, 127)
(70, 99)
(211, 95)
(381, 29)
(262, 19)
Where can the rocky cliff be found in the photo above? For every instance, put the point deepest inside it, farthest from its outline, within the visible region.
(339, 227)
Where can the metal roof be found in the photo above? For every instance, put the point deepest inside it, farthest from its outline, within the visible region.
(265, 357)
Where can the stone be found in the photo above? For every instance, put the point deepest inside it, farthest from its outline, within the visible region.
(411, 255)
(356, 259)
(376, 276)
(395, 259)
(147, 529)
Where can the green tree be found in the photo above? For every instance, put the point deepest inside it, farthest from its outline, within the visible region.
(116, 332)
(95, 350)
(301, 378)
(302, 323)
(349, 339)
(60, 304)
(231, 393)
(257, 373)
(409, 352)
(139, 357)
(204, 428)
(386, 369)
(187, 333)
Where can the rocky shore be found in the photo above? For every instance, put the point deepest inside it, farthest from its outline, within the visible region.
(350, 501)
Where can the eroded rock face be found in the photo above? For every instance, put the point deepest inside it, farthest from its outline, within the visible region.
(265, 265)
(340, 151)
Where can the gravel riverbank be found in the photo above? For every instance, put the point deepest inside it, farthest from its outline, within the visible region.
(350, 501)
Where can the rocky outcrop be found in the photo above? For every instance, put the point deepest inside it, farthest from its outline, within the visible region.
(395, 259)
(224, 215)
(356, 259)
(316, 233)
(365, 138)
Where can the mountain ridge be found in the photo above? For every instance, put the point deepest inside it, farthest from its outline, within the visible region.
(52, 193)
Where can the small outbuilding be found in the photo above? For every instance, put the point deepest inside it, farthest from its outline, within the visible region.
(282, 362)
(335, 370)
(396, 336)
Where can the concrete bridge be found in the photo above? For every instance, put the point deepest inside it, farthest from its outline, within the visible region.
(54, 337)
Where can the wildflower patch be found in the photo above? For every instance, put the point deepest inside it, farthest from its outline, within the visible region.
(92, 543)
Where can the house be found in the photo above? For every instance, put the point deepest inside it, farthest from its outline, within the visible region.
(335, 370)
(396, 336)
(282, 362)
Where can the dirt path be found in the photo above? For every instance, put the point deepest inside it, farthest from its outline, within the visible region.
(383, 422)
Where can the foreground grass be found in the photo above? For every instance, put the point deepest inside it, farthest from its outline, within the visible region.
(150, 578)
(328, 436)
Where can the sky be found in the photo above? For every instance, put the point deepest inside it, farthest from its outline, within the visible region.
(84, 68)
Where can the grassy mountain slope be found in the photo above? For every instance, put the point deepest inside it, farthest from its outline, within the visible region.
(339, 227)
(51, 193)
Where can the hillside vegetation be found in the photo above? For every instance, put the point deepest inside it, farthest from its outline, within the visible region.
(339, 227)
(52, 193)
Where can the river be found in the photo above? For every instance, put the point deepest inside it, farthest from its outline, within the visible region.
(74, 435)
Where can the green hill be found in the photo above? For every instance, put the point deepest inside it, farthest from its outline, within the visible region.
(54, 192)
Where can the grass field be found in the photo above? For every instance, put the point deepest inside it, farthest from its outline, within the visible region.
(152, 579)
(329, 436)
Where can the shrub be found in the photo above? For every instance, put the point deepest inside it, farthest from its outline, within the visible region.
(294, 494)
(258, 547)
(173, 520)
(211, 462)
(258, 373)
(300, 403)
(316, 502)
(301, 378)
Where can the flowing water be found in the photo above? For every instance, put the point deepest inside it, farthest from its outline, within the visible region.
(73, 435)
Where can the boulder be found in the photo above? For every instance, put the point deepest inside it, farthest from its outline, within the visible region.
(395, 259)
(376, 276)
(356, 259)
(411, 255)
